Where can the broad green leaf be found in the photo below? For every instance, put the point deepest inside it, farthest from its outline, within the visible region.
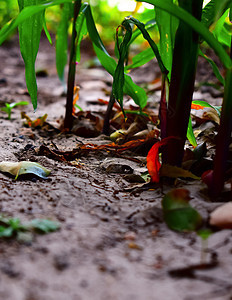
(221, 6)
(141, 58)
(190, 134)
(25, 14)
(147, 37)
(209, 14)
(178, 213)
(29, 39)
(81, 29)
(44, 225)
(167, 25)
(130, 88)
(24, 167)
(62, 40)
(221, 32)
(196, 25)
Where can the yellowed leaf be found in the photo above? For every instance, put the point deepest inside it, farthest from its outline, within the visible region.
(175, 172)
(24, 167)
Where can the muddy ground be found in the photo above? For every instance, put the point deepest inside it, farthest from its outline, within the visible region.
(112, 243)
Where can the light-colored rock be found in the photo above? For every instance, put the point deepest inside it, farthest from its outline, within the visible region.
(222, 216)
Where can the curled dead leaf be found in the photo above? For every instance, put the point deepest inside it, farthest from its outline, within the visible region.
(175, 172)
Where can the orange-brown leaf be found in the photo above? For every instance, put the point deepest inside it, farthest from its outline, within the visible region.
(197, 106)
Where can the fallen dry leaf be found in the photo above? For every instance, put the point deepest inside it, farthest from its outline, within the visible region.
(24, 167)
(222, 216)
(175, 172)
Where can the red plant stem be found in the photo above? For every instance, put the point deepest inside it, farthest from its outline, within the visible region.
(163, 107)
(68, 120)
(223, 138)
(106, 125)
(182, 84)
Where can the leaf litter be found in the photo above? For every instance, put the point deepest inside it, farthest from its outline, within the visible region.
(93, 206)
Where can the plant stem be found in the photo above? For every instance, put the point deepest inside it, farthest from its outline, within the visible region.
(223, 139)
(224, 136)
(106, 125)
(182, 84)
(68, 120)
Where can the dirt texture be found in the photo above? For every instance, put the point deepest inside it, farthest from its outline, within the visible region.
(113, 243)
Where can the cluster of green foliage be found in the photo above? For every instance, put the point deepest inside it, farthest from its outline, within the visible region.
(8, 10)
(12, 227)
(182, 26)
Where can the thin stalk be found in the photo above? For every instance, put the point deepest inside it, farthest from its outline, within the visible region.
(106, 125)
(68, 120)
(223, 138)
(182, 84)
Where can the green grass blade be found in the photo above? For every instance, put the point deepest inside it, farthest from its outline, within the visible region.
(214, 67)
(29, 39)
(46, 31)
(190, 134)
(62, 40)
(81, 29)
(196, 25)
(152, 44)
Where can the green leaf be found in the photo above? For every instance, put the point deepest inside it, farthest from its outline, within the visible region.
(25, 14)
(206, 104)
(46, 31)
(221, 32)
(178, 213)
(214, 67)
(81, 29)
(167, 25)
(130, 88)
(190, 134)
(147, 37)
(44, 225)
(9, 106)
(29, 39)
(118, 82)
(62, 40)
(209, 14)
(141, 58)
(149, 25)
(6, 232)
(204, 233)
(196, 25)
